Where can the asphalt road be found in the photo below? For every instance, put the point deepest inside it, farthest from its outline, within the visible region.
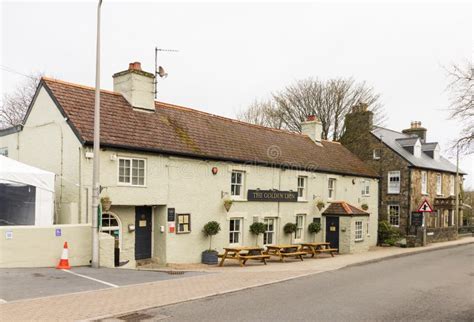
(430, 286)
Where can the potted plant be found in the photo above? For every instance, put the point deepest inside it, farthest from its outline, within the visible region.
(314, 228)
(210, 229)
(290, 229)
(228, 204)
(364, 206)
(106, 203)
(257, 228)
(320, 204)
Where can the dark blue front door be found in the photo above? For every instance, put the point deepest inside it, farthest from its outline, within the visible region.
(332, 231)
(142, 232)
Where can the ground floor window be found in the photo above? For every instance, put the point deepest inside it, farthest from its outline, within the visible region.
(269, 235)
(110, 224)
(299, 227)
(394, 215)
(235, 231)
(358, 231)
(184, 223)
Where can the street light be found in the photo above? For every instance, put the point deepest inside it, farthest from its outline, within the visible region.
(95, 169)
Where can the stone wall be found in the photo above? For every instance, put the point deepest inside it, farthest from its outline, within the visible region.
(434, 235)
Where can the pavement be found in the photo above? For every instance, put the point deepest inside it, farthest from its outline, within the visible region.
(116, 301)
(432, 286)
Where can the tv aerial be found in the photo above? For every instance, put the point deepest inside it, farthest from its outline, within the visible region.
(159, 70)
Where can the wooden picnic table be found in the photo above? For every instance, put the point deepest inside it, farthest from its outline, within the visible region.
(243, 254)
(318, 248)
(283, 251)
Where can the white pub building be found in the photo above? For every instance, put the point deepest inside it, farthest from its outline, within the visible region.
(168, 170)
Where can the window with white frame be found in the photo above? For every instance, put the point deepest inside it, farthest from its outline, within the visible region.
(365, 188)
(183, 223)
(237, 184)
(394, 182)
(302, 190)
(110, 224)
(359, 231)
(376, 154)
(424, 183)
(4, 152)
(451, 185)
(299, 226)
(235, 231)
(269, 235)
(131, 171)
(394, 215)
(439, 184)
(331, 188)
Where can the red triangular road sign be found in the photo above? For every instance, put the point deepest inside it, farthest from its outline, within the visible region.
(425, 207)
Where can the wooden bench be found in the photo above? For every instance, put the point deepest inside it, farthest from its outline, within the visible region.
(243, 254)
(283, 251)
(328, 250)
(262, 257)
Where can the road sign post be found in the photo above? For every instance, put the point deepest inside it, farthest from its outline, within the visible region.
(424, 208)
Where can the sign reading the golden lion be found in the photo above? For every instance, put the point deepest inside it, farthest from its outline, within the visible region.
(272, 195)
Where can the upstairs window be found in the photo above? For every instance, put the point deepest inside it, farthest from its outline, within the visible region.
(302, 182)
(365, 188)
(439, 184)
(131, 171)
(237, 184)
(394, 182)
(331, 188)
(424, 183)
(376, 154)
(451, 185)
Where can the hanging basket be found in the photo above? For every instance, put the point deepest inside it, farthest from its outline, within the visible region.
(106, 203)
(227, 204)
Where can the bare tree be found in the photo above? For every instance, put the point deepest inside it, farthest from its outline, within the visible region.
(329, 100)
(461, 86)
(14, 105)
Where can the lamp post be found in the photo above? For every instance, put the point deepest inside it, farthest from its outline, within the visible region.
(96, 164)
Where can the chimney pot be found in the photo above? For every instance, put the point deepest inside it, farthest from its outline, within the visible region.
(135, 66)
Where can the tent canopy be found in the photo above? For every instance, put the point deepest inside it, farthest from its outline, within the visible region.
(17, 172)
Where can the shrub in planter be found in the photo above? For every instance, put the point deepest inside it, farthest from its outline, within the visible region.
(290, 229)
(210, 229)
(314, 228)
(387, 234)
(257, 228)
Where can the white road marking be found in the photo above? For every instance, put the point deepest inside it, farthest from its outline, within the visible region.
(90, 278)
(2, 301)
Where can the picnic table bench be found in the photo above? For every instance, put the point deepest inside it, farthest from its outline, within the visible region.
(317, 248)
(243, 254)
(283, 251)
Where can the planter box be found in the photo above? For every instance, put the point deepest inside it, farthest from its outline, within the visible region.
(209, 257)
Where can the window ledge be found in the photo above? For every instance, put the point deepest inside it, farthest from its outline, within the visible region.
(359, 240)
(238, 200)
(303, 200)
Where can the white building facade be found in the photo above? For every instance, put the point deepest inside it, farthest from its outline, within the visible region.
(169, 174)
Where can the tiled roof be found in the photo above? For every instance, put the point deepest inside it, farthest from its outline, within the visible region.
(183, 131)
(342, 208)
(393, 138)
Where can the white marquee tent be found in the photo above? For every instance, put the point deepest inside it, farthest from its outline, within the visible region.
(26, 194)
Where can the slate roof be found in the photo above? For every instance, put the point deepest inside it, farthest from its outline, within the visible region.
(393, 139)
(342, 208)
(183, 131)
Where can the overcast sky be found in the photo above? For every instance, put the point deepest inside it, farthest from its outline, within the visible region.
(231, 53)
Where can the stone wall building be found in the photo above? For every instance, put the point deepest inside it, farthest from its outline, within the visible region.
(411, 171)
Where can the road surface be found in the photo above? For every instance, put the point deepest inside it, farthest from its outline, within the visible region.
(435, 285)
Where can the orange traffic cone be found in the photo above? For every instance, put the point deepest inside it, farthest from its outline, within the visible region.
(64, 262)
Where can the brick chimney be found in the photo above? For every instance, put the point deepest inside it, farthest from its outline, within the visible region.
(137, 86)
(313, 128)
(416, 129)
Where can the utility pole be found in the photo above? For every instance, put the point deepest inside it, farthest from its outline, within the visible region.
(96, 164)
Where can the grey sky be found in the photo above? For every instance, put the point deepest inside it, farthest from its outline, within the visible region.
(232, 53)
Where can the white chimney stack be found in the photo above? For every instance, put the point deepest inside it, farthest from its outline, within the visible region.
(137, 86)
(312, 128)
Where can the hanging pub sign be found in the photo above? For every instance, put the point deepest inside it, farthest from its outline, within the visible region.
(417, 219)
(171, 214)
(272, 195)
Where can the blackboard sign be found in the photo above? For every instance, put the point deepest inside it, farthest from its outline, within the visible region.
(272, 195)
(171, 214)
(417, 219)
